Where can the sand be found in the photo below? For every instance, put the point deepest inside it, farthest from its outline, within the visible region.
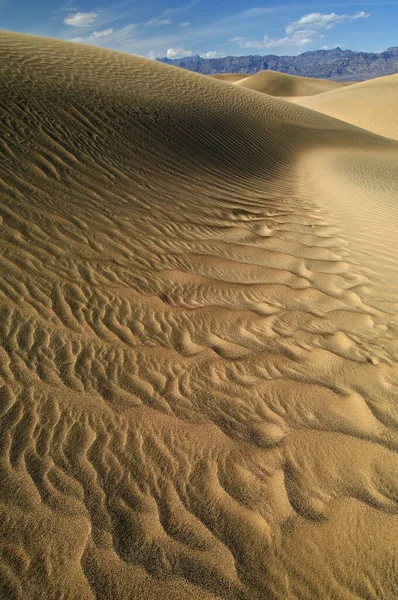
(229, 77)
(198, 332)
(280, 84)
(371, 104)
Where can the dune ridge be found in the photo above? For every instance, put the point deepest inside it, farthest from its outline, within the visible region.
(369, 104)
(229, 77)
(280, 84)
(198, 337)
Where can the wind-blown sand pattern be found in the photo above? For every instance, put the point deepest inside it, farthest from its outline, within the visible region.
(199, 338)
(370, 104)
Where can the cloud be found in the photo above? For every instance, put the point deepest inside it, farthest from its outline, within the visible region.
(301, 33)
(178, 53)
(108, 37)
(181, 53)
(250, 14)
(319, 21)
(81, 19)
(253, 12)
(211, 54)
(302, 39)
(103, 33)
(180, 9)
(157, 22)
(169, 12)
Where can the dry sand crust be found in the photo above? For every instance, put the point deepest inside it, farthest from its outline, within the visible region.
(199, 338)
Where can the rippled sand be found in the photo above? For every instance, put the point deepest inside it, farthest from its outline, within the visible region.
(199, 344)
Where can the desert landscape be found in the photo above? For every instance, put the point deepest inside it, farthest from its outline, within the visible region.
(199, 331)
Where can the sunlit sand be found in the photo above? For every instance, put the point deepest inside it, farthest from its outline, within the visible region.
(199, 333)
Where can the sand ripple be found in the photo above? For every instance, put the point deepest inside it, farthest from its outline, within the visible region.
(198, 334)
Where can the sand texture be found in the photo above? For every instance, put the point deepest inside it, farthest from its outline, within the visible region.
(199, 338)
(230, 77)
(372, 104)
(280, 84)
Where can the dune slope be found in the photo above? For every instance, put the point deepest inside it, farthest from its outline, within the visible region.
(371, 105)
(198, 337)
(229, 77)
(280, 84)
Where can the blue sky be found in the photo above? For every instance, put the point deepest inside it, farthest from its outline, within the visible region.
(210, 28)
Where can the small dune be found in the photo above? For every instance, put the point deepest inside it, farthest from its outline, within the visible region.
(198, 335)
(280, 84)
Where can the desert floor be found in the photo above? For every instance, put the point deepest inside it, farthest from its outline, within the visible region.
(199, 331)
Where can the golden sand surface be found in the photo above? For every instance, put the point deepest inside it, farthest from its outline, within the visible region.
(230, 77)
(199, 337)
(280, 84)
(372, 105)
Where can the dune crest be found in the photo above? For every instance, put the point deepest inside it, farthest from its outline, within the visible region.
(198, 337)
(371, 105)
(280, 84)
(229, 77)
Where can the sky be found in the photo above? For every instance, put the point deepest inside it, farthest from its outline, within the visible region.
(210, 28)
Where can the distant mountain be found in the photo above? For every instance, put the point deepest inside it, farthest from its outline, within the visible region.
(337, 64)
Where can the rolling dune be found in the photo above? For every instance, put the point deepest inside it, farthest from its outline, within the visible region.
(229, 77)
(280, 84)
(198, 332)
(371, 105)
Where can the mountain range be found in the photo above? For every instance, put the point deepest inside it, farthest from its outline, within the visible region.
(336, 64)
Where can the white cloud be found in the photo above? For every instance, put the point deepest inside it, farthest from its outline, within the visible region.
(297, 40)
(108, 37)
(81, 19)
(185, 24)
(250, 14)
(178, 53)
(211, 54)
(173, 53)
(100, 34)
(319, 21)
(157, 22)
(301, 33)
(181, 9)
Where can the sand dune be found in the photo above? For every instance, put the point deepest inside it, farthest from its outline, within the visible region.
(229, 77)
(370, 104)
(198, 337)
(280, 84)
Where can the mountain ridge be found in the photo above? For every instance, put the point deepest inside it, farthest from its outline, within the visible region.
(336, 64)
